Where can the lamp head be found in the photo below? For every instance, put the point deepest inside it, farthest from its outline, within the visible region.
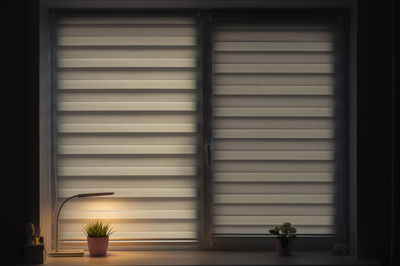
(95, 194)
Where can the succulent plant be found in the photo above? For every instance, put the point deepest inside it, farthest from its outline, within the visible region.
(284, 232)
(98, 229)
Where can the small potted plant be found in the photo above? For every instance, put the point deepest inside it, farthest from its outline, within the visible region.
(97, 233)
(285, 234)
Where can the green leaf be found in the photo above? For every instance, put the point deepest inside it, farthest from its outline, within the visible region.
(274, 232)
(97, 228)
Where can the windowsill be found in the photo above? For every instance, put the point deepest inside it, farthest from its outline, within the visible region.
(209, 258)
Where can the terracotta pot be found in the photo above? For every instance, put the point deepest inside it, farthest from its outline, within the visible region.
(283, 251)
(98, 246)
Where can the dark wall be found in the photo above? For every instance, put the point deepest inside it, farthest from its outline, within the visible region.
(395, 218)
(375, 129)
(23, 129)
(376, 184)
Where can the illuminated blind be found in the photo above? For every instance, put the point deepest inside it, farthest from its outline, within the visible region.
(273, 136)
(126, 122)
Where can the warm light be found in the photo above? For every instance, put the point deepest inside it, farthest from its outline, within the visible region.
(73, 253)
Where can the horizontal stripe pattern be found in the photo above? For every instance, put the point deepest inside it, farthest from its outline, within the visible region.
(127, 149)
(126, 84)
(134, 193)
(128, 128)
(126, 113)
(125, 171)
(273, 128)
(126, 62)
(256, 46)
(126, 106)
(126, 41)
(273, 68)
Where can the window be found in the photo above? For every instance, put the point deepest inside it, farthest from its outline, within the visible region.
(207, 126)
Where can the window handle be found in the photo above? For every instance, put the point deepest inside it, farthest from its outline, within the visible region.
(208, 152)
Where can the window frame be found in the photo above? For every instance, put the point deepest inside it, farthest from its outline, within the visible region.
(205, 19)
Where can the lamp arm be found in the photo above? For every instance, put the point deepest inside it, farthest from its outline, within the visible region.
(58, 217)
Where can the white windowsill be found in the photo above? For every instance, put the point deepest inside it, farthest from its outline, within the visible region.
(209, 258)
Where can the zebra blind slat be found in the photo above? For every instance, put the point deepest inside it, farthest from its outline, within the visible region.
(126, 149)
(273, 133)
(127, 106)
(272, 187)
(72, 52)
(126, 41)
(274, 210)
(279, 177)
(269, 57)
(274, 198)
(272, 68)
(126, 84)
(128, 128)
(137, 75)
(124, 96)
(269, 79)
(275, 144)
(272, 90)
(261, 46)
(257, 229)
(126, 122)
(127, 62)
(121, 21)
(125, 171)
(130, 214)
(272, 155)
(260, 220)
(126, 30)
(273, 35)
(134, 193)
(274, 102)
(123, 233)
(275, 111)
(273, 127)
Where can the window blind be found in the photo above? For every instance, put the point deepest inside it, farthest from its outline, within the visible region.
(126, 122)
(273, 127)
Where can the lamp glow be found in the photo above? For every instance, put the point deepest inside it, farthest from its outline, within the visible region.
(72, 253)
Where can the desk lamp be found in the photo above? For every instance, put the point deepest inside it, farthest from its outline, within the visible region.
(72, 253)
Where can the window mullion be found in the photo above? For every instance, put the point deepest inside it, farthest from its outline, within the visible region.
(205, 39)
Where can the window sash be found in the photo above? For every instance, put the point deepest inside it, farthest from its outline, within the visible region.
(341, 109)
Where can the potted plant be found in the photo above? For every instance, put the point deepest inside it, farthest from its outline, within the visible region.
(285, 234)
(97, 233)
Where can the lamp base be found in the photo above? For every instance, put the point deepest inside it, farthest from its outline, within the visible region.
(66, 253)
